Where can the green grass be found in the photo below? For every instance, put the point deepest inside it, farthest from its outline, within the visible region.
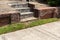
(11, 28)
(42, 21)
(19, 26)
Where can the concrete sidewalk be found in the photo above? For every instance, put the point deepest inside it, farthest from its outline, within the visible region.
(50, 31)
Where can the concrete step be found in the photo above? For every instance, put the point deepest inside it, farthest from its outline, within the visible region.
(26, 15)
(18, 4)
(28, 19)
(23, 9)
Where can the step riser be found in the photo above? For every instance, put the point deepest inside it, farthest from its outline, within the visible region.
(19, 5)
(28, 19)
(26, 16)
(23, 10)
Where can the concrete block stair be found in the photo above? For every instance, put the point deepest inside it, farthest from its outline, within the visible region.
(25, 13)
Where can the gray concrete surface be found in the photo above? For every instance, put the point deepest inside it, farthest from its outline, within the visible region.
(50, 31)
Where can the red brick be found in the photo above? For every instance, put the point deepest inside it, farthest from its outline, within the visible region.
(47, 12)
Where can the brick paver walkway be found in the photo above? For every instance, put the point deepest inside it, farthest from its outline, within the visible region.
(50, 31)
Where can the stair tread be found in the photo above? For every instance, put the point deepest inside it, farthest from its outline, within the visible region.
(17, 2)
(26, 13)
(23, 8)
(28, 19)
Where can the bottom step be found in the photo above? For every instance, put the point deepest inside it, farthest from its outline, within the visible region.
(28, 19)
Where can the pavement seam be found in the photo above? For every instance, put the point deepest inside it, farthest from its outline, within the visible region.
(39, 31)
(48, 33)
(51, 33)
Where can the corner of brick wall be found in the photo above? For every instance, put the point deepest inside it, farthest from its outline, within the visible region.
(9, 18)
(57, 12)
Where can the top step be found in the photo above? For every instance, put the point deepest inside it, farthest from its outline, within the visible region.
(18, 4)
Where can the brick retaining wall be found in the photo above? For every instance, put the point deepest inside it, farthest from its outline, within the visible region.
(47, 12)
(9, 18)
(40, 13)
